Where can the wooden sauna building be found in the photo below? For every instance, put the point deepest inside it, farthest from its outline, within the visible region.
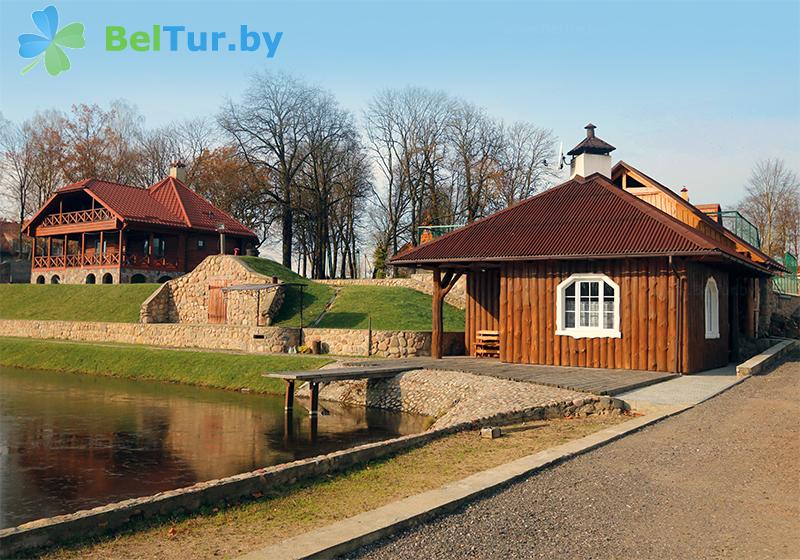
(97, 231)
(610, 270)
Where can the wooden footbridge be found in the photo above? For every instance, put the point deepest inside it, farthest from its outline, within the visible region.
(315, 377)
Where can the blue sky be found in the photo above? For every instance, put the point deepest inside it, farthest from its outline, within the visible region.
(691, 93)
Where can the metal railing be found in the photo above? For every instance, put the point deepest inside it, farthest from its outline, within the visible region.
(78, 217)
(428, 233)
(740, 226)
(789, 283)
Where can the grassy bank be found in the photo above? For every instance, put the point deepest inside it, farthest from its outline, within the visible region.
(315, 296)
(230, 532)
(117, 303)
(206, 369)
(391, 308)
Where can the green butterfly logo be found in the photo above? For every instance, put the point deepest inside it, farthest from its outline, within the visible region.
(48, 45)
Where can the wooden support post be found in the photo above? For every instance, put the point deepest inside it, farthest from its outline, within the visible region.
(83, 248)
(119, 250)
(314, 398)
(289, 400)
(65, 250)
(733, 317)
(750, 309)
(438, 323)
(441, 287)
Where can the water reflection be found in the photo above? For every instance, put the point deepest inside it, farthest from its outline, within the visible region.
(69, 442)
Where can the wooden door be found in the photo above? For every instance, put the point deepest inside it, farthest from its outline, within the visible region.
(217, 309)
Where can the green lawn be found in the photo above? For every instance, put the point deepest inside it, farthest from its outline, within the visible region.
(207, 369)
(391, 308)
(315, 296)
(118, 303)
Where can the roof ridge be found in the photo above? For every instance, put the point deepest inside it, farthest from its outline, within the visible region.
(174, 182)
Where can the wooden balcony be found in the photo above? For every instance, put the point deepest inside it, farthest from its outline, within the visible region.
(75, 261)
(95, 219)
(149, 262)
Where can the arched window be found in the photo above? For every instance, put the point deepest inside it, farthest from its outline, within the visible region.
(164, 279)
(712, 308)
(107, 278)
(587, 306)
(55, 279)
(40, 279)
(138, 279)
(90, 279)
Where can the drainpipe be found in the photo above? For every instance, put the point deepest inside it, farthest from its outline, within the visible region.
(678, 315)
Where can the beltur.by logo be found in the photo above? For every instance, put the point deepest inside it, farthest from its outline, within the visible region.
(176, 38)
(48, 46)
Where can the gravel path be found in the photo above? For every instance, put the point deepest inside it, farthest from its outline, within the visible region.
(718, 481)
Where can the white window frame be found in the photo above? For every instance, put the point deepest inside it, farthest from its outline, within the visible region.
(711, 307)
(586, 332)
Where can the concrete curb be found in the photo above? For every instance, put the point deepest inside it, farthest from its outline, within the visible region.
(349, 534)
(766, 359)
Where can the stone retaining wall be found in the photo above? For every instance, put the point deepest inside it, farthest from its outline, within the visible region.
(343, 342)
(185, 299)
(212, 337)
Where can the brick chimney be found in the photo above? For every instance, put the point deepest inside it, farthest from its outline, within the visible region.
(685, 194)
(177, 170)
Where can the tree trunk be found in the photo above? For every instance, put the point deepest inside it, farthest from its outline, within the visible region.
(286, 234)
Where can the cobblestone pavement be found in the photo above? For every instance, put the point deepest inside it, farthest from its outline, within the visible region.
(454, 397)
(718, 481)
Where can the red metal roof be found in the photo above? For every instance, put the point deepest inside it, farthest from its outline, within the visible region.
(589, 218)
(168, 203)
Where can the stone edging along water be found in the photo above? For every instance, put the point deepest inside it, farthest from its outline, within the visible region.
(102, 519)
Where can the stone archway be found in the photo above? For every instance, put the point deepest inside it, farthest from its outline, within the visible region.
(91, 279)
(107, 278)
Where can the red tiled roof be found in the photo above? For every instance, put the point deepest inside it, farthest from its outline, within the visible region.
(195, 209)
(589, 217)
(169, 203)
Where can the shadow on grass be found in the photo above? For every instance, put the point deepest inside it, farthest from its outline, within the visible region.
(344, 320)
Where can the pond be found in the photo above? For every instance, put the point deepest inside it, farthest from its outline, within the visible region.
(70, 441)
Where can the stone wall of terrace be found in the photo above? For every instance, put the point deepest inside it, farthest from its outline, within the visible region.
(185, 299)
(172, 335)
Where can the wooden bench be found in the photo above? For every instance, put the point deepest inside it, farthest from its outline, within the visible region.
(487, 344)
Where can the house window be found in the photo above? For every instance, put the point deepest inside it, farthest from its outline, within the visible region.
(587, 306)
(712, 308)
(159, 247)
(201, 243)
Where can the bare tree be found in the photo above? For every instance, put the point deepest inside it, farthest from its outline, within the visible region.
(772, 197)
(477, 147)
(17, 157)
(270, 128)
(525, 150)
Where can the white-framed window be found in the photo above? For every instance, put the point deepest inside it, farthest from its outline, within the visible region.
(587, 306)
(712, 308)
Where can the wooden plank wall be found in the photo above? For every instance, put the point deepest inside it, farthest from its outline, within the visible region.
(648, 320)
(669, 205)
(701, 353)
(483, 304)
